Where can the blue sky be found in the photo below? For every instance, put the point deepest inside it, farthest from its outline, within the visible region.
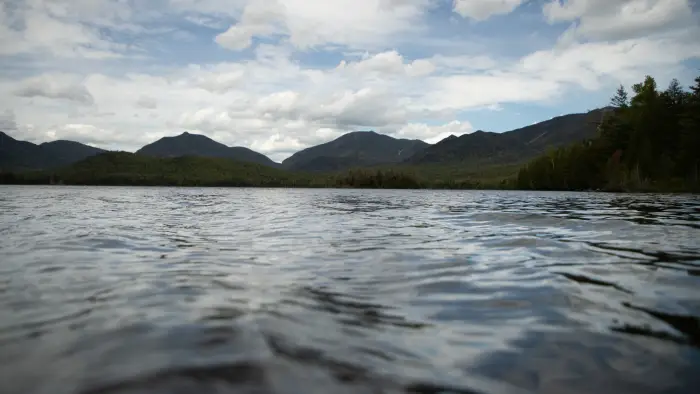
(281, 75)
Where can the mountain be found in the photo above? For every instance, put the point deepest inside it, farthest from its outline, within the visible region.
(187, 144)
(65, 152)
(356, 149)
(513, 146)
(19, 155)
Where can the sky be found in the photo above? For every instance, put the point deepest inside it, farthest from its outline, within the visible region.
(278, 76)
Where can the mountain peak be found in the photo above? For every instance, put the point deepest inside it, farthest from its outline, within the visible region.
(24, 155)
(189, 144)
(191, 138)
(360, 132)
(186, 134)
(354, 149)
(3, 136)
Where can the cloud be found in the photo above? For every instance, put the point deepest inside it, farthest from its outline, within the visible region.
(147, 102)
(8, 123)
(56, 86)
(621, 19)
(61, 28)
(279, 143)
(481, 10)
(220, 79)
(433, 134)
(354, 23)
(388, 63)
(259, 19)
(461, 92)
(85, 133)
(206, 119)
(463, 63)
(357, 108)
(589, 64)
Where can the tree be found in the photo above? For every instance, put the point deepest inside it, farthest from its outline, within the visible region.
(650, 141)
(690, 135)
(695, 89)
(645, 92)
(620, 99)
(675, 93)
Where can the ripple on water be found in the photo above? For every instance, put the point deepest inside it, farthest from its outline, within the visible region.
(148, 290)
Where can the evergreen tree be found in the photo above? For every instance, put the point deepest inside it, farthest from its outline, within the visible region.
(690, 134)
(650, 141)
(620, 99)
(675, 93)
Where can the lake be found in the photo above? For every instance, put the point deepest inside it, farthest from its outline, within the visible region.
(198, 290)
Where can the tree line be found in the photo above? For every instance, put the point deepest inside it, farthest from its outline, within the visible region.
(649, 142)
(128, 169)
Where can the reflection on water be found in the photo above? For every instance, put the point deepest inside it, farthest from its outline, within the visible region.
(143, 290)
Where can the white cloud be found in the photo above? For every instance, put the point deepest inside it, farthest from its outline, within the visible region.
(481, 90)
(206, 119)
(306, 24)
(388, 63)
(61, 28)
(588, 64)
(481, 10)
(433, 134)
(88, 134)
(621, 19)
(259, 19)
(57, 86)
(278, 142)
(219, 79)
(147, 102)
(461, 63)
(8, 124)
(208, 8)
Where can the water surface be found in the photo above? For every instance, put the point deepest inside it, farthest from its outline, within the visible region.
(189, 290)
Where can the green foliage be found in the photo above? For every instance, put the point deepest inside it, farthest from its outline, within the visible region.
(620, 99)
(377, 179)
(121, 168)
(465, 175)
(652, 143)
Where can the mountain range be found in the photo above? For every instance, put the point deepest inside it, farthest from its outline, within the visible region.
(19, 155)
(512, 146)
(354, 149)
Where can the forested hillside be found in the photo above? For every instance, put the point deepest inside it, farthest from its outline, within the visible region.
(16, 155)
(511, 147)
(123, 168)
(354, 150)
(188, 144)
(649, 142)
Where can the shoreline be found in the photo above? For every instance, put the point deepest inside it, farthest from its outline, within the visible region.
(251, 186)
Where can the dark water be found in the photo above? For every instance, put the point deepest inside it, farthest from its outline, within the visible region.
(159, 290)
